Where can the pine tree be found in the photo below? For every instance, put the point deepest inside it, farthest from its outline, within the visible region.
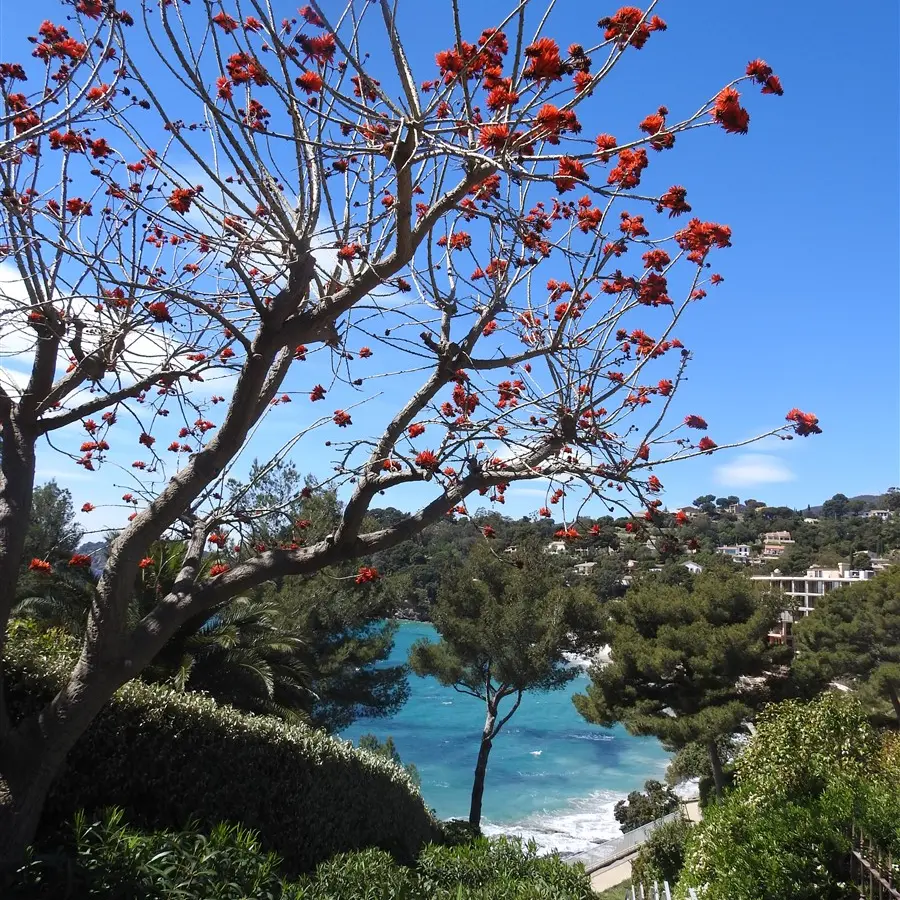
(853, 637)
(505, 628)
(687, 664)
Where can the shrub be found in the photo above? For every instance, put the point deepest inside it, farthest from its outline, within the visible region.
(502, 868)
(641, 807)
(792, 851)
(661, 856)
(169, 758)
(111, 861)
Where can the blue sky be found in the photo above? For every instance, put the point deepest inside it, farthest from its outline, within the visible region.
(808, 314)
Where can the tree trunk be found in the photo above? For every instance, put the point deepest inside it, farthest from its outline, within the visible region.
(895, 699)
(716, 764)
(32, 753)
(27, 768)
(478, 785)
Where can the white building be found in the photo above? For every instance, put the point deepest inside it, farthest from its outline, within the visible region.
(883, 514)
(737, 551)
(777, 537)
(585, 568)
(693, 568)
(809, 520)
(556, 548)
(802, 592)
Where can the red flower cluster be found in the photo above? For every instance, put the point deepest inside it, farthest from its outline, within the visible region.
(40, 565)
(427, 460)
(489, 532)
(181, 198)
(367, 574)
(728, 112)
(159, 311)
(805, 424)
(569, 170)
(544, 62)
(218, 569)
(761, 72)
(567, 534)
(317, 393)
(700, 237)
(342, 419)
(707, 445)
(416, 429)
(695, 422)
(146, 562)
(627, 172)
(80, 560)
(626, 27)
(674, 201)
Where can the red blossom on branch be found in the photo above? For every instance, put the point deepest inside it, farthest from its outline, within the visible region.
(366, 575)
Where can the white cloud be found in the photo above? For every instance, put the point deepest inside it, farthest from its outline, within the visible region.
(751, 469)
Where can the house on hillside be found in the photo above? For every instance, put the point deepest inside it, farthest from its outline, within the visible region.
(883, 514)
(739, 552)
(692, 567)
(585, 568)
(775, 543)
(556, 548)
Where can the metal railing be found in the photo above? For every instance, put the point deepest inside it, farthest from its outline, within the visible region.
(874, 872)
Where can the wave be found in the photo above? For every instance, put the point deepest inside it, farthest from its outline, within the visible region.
(582, 824)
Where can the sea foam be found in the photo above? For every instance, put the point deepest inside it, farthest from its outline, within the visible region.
(582, 824)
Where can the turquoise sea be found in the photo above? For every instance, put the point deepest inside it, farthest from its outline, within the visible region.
(551, 775)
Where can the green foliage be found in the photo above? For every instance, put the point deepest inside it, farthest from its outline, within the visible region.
(111, 861)
(692, 760)
(501, 868)
(791, 851)
(684, 651)
(799, 749)
(388, 749)
(505, 622)
(809, 772)
(661, 856)
(853, 636)
(168, 758)
(53, 533)
(641, 807)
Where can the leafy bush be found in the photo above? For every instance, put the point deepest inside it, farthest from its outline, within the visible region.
(112, 861)
(793, 851)
(661, 856)
(502, 868)
(108, 859)
(169, 758)
(810, 771)
(641, 807)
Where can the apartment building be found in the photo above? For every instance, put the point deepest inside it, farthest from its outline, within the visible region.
(802, 592)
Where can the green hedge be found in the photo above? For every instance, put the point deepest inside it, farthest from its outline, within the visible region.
(114, 861)
(169, 758)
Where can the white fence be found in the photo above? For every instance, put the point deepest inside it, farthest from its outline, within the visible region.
(655, 892)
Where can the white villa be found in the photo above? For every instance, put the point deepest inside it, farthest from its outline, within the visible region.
(739, 552)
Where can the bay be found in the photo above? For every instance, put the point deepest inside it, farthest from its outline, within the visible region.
(551, 776)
